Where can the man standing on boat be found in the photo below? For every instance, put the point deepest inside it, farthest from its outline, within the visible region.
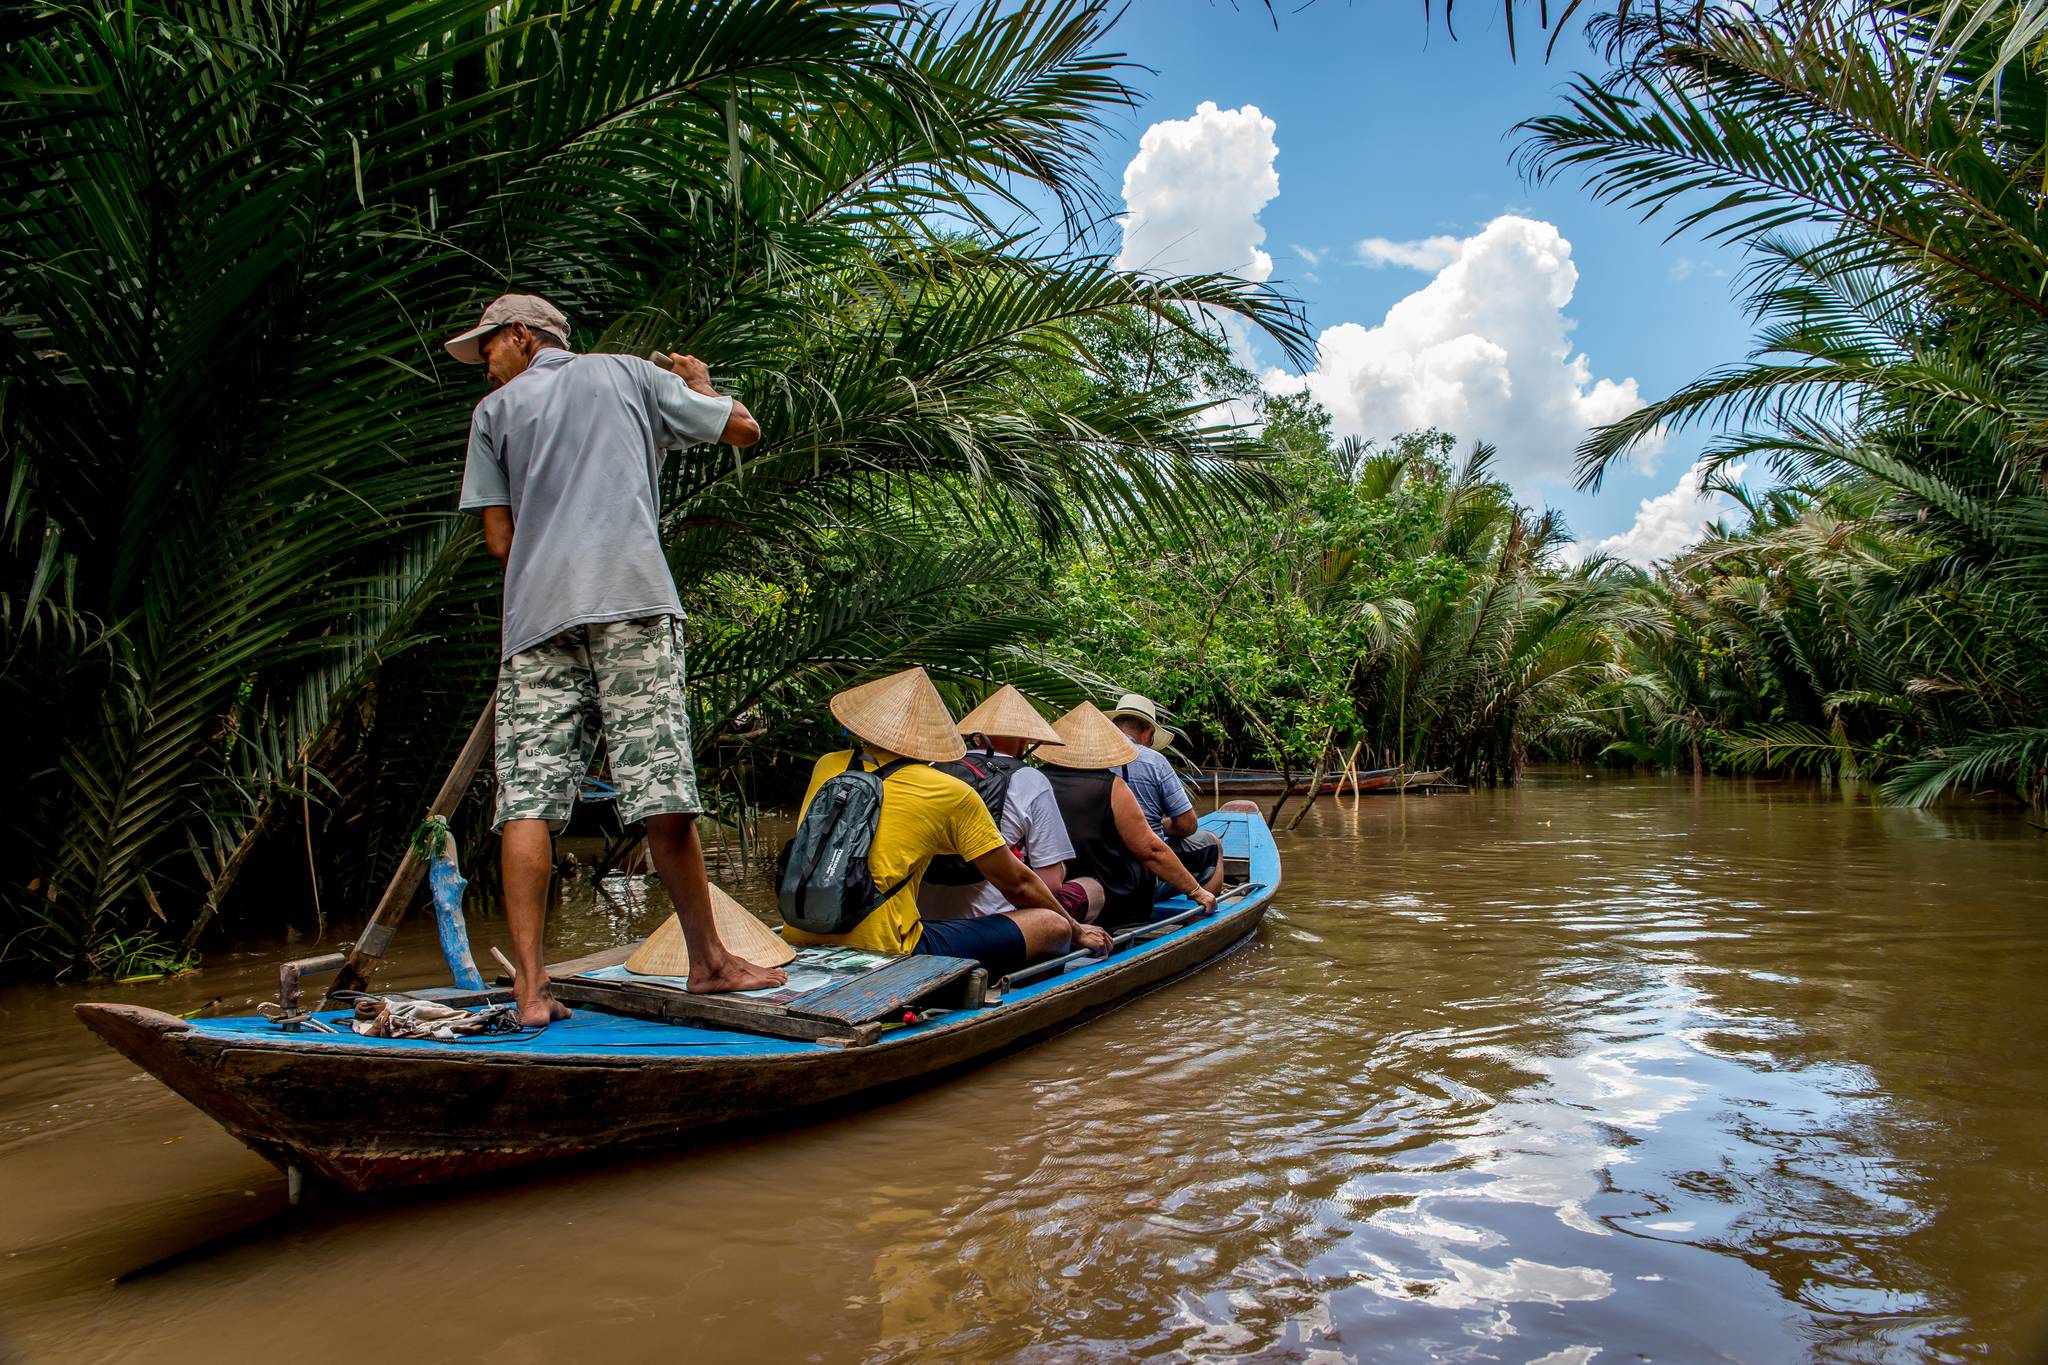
(564, 466)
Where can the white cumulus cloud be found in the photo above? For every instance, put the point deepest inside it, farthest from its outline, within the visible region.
(1483, 350)
(1665, 524)
(1422, 253)
(1193, 192)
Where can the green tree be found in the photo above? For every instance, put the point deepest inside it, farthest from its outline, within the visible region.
(234, 590)
(1883, 165)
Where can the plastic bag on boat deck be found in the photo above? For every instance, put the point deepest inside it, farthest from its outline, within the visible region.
(380, 1016)
(824, 885)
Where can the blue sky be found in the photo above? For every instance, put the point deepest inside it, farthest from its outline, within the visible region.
(1385, 128)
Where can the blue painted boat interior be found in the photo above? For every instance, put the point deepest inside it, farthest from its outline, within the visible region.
(592, 1033)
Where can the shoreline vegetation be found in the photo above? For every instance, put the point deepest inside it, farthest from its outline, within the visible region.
(245, 630)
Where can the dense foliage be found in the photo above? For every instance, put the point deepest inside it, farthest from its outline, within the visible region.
(235, 599)
(243, 629)
(1885, 612)
(1396, 605)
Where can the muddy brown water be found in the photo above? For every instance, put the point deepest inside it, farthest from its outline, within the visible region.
(1584, 1071)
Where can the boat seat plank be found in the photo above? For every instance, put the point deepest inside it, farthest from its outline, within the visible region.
(590, 962)
(883, 992)
(1236, 839)
(717, 1011)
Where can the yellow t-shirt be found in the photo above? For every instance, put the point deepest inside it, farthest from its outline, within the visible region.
(924, 813)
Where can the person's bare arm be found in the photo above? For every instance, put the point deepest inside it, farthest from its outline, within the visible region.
(740, 429)
(498, 533)
(1017, 883)
(1054, 875)
(1022, 888)
(1136, 832)
(1179, 826)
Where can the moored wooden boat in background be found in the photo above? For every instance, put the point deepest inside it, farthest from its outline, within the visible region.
(1222, 784)
(1234, 782)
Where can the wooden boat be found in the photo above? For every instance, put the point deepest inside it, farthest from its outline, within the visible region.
(1234, 782)
(368, 1114)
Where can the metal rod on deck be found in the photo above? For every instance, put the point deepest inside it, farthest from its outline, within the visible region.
(1054, 966)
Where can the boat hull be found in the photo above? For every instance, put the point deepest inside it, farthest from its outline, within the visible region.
(1229, 782)
(366, 1116)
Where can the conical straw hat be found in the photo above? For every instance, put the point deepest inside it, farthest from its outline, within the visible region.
(903, 714)
(665, 954)
(1005, 714)
(1089, 739)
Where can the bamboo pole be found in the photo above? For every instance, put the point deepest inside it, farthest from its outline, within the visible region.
(1351, 770)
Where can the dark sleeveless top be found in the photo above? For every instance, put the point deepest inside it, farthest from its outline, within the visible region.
(1099, 852)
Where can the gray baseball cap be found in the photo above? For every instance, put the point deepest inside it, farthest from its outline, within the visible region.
(531, 309)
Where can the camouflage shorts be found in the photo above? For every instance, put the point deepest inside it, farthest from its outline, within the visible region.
(619, 679)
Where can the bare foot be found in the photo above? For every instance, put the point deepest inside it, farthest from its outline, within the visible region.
(540, 1009)
(732, 973)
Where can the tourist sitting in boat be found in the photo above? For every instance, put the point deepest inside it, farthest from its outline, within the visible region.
(1000, 733)
(924, 813)
(1113, 841)
(1163, 795)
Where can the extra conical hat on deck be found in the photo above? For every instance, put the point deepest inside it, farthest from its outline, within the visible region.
(1005, 714)
(903, 714)
(1089, 739)
(665, 954)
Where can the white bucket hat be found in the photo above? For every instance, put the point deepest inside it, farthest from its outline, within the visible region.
(1141, 708)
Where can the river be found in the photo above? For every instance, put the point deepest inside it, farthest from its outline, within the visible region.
(1587, 1070)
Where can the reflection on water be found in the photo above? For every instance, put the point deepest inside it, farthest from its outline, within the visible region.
(1584, 1071)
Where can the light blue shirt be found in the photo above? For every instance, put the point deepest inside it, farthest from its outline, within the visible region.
(574, 447)
(1157, 786)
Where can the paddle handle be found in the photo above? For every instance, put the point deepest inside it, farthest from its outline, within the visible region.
(1054, 966)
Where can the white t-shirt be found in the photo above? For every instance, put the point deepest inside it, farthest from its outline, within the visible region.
(1031, 824)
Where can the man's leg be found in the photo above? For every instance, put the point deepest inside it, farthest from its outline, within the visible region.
(1046, 934)
(1002, 942)
(679, 857)
(1081, 897)
(1201, 853)
(547, 732)
(527, 861)
(638, 666)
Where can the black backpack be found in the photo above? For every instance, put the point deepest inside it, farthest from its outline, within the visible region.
(989, 775)
(824, 884)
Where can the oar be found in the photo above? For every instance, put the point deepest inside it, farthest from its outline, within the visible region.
(375, 940)
(1054, 966)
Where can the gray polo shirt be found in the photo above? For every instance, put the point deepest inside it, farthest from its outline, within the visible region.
(574, 447)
